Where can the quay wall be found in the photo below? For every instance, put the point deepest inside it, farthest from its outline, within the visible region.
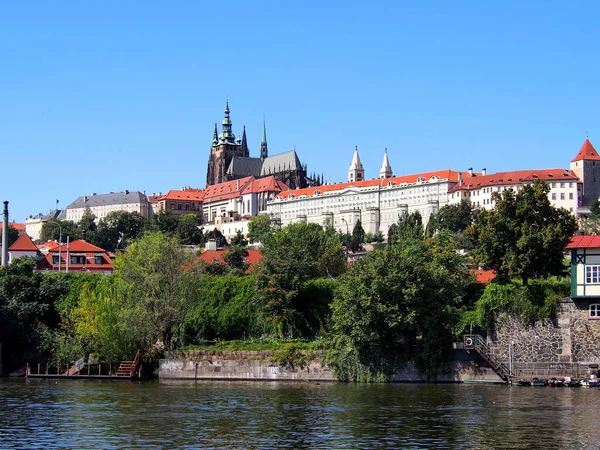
(259, 366)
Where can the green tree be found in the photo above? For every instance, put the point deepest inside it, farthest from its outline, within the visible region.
(13, 235)
(291, 256)
(51, 232)
(409, 226)
(166, 222)
(217, 236)
(595, 209)
(259, 227)
(455, 218)
(86, 227)
(118, 229)
(188, 230)
(239, 240)
(396, 305)
(235, 258)
(524, 236)
(358, 233)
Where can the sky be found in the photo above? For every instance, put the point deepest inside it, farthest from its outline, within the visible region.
(107, 96)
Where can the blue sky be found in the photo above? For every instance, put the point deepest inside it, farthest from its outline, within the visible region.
(107, 96)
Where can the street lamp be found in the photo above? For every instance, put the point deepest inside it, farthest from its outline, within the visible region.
(59, 242)
(344, 220)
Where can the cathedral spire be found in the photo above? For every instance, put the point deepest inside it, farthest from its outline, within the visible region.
(356, 171)
(215, 137)
(386, 169)
(227, 136)
(264, 150)
(245, 143)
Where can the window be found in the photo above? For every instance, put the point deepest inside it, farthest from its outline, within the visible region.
(570, 196)
(562, 195)
(98, 260)
(78, 259)
(592, 274)
(553, 196)
(595, 310)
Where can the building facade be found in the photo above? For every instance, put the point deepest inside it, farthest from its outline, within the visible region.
(185, 201)
(102, 204)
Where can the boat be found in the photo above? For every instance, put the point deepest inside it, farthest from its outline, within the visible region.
(538, 382)
(555, 382)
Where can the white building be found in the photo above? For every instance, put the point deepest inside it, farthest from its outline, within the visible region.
(102, 204)
(33, 225)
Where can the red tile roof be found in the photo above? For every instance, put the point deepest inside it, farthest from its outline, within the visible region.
(227, 190)
(209, 256)
(78, 246)
(450, 175)
(584, 242)
(514, 178)
(186, 194)
(23, 244)
(266, 184)
(587, 153)
(484, 276)
(20, 227)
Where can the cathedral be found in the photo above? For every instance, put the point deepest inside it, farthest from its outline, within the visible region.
(230, 160)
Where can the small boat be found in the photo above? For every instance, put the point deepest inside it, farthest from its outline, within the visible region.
(572, 383)
(555, 382)
(538, 382)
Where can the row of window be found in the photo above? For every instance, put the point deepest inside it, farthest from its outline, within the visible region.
(98, 260)
(562, 196)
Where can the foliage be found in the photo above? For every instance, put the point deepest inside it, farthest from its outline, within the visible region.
(217, 236)
(235, 258)
(291, 256)
(86, 227)
(313, 303)
(239, 240)
(397, 304)
(258, 344)
(454, 218)
(409, 226)
(26, 302)
(222, 308)
(52, 232)
(118, 229)
(259, 227)
(595, 209)
(369, 237)
(378, 237)
(292, 356)
(358, 233)
(166, 222)
(524, 236)
(13, 235)
(188, 230)
(529, 303)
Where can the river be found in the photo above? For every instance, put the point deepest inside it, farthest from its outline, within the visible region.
(255, 415)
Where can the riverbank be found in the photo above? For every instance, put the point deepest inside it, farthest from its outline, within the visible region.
(265, 365)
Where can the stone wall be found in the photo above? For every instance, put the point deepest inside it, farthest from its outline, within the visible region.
(572, 338)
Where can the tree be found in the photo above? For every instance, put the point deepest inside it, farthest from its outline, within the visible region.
(217, 236)
(409, 226)
(595, 209)
(52, 232)
(239, 240)
(291, 256)
(455, 218)
(13, 235)
(259, 227)
(397, 304)
(235, 258)
(188, 230)
(358, 233)
(166, 222)
(118, 229)
(524, 236)
(87, 227)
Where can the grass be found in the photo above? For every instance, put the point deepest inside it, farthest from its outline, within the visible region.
(258, 344)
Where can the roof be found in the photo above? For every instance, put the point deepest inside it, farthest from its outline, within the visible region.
(447, 174)
(584, 242)
(267, 184)
(282, 161)
(114, 198)
(209, 256)
(226, 190)
(77, 245)
(484, 276)
(185, 194)
(241, 166)
(587, 152)
(23, 244)
(20, 227)
(514, 178)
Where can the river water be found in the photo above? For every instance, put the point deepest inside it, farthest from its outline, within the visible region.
(255, 415)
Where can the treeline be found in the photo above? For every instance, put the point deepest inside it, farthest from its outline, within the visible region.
(405, 302)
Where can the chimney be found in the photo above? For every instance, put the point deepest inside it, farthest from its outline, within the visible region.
(460, 178)
(85, 198)
(237, 185)
(5, 235)
(126, 192)
(470, 171)
(483, 171)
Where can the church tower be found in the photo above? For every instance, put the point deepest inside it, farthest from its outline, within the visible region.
(386, 169)
(264, 150)
(356, 172)
(586, 165)
(224, 148)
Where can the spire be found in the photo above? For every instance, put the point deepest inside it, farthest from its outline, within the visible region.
(245, 143)
(215, 137)
(386, 169)
(586, 152)
(227, 136)
(264, 150)
(356, 171)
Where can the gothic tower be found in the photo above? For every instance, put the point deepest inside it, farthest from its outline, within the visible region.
(356, 172)
(264, 150)
(386, 169)
(224, 148)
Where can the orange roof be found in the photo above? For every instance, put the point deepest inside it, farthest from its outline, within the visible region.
(266, 184)
(227, 190)
(20, 227)
(513, 178)
(382, 182)
(484, 276)
(186, 194)
(23, 244)
(584, 242)
(209, 256)
(587, 152)
(77, 245)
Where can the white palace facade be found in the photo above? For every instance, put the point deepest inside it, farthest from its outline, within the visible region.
(378, 203)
